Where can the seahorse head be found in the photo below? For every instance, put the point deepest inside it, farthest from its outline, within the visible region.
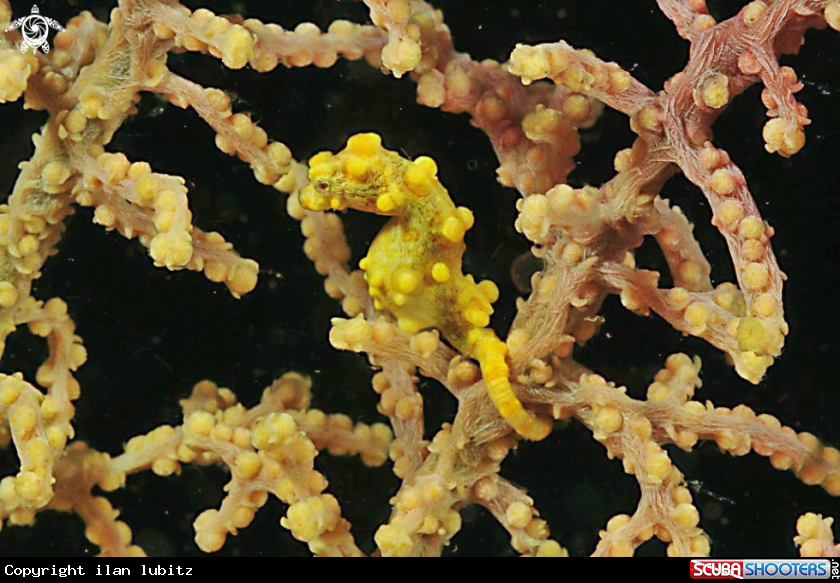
(354, 178)
(367, 177)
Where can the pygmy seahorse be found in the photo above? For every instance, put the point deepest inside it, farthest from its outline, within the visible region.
(413, 266)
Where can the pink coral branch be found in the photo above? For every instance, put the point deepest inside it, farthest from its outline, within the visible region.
(691, 17)
(689, 267)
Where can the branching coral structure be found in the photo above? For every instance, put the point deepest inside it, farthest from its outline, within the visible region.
(411, 308)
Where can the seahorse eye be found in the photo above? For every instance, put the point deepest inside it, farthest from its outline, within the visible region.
(323, 185)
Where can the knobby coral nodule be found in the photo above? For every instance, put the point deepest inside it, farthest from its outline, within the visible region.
(412, 311)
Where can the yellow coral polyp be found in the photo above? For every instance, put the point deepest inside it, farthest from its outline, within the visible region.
(8, 295)
(407, 280)
(751, 335)
(356, 168)
(417, 180)
(364, 144)
(716, 92)
(477, 317)
(174, 250)
(440, 273)
(385, 203)
(454, 230)
(832, 15)
(413, 267)
(317, 162)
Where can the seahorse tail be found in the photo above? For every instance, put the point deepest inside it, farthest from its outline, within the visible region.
(490, 353)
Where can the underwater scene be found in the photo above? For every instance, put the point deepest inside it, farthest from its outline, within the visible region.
(419, 278)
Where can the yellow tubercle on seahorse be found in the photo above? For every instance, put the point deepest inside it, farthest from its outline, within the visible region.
(413, 267)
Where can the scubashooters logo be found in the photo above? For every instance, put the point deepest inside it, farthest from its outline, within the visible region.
(34, 29)
(764, 569)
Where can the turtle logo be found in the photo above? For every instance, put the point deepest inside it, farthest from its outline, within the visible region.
(34, 29)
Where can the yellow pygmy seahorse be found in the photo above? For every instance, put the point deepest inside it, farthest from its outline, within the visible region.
(413, 266)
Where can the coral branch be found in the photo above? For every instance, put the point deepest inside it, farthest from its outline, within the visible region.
(411, 309)
(691, 17)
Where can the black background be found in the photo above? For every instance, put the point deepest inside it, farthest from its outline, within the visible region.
(152, 334)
